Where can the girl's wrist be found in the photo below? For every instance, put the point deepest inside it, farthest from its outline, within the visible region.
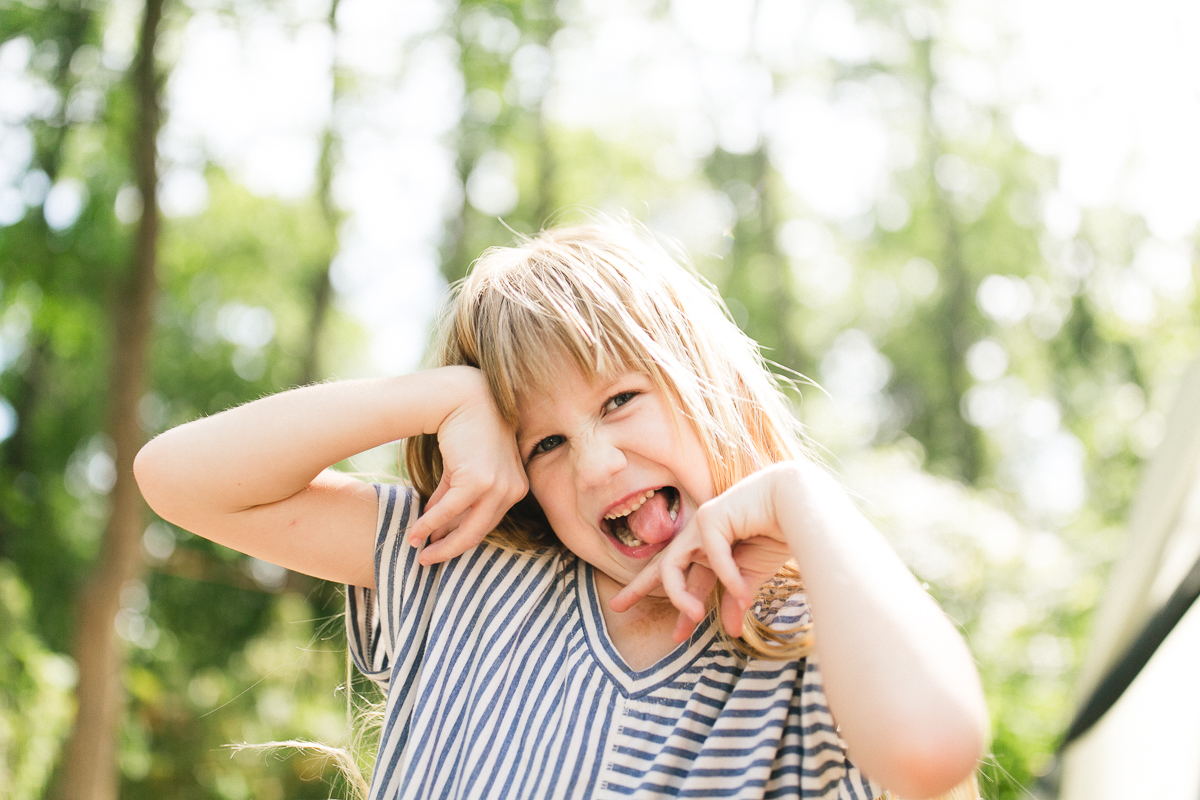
(805, 500)
(430, 397)
(454, 388)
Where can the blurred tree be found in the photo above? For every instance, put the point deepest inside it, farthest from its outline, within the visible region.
(759, 276)
(35, 702)
(48, 273)
(90, 769)
(234, 321)
(322, 291)
(506, 150)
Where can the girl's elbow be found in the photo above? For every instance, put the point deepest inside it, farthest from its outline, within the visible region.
(149, 473)
(143, 467)
(930, 765)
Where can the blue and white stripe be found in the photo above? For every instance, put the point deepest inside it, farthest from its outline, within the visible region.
(502, 682)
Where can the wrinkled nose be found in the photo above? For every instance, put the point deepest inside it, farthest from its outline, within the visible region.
(597, 459)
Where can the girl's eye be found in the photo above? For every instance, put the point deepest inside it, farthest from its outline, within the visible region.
(547, 444)
(618, 400)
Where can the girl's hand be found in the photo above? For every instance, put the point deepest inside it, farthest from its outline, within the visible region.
(482, 474)
(735, 538)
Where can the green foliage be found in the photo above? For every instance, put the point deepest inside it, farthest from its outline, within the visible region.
(35, 695)
(194, 698)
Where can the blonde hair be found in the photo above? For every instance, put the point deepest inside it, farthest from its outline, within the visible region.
(609, 298)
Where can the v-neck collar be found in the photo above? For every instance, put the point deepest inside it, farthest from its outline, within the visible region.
(630, 682)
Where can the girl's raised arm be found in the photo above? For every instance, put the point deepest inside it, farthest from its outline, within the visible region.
(899, 679)
(255, 478)
(907, 694)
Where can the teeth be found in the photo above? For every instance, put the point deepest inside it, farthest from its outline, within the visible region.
(621, 530)
(627, 538)
(630, 507)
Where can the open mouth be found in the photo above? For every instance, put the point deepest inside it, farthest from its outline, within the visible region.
(645, 519)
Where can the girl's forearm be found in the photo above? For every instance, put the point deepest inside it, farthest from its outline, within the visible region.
(899, 678)
(271, 449)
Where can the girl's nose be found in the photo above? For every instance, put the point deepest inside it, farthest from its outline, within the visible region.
(597, 459)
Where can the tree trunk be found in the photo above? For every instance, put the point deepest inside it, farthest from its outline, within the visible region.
(548, 25)
(955, 305)
(322, 287)
(90, 769)
(788, 349)
(322, 293)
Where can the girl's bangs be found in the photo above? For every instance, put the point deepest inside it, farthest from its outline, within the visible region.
(525, 343)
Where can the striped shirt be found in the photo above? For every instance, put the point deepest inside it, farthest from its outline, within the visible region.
(502, 682)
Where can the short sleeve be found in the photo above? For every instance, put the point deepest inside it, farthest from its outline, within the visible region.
(381, 620)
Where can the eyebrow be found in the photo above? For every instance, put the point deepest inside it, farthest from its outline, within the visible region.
(523, 436)
(605, 385)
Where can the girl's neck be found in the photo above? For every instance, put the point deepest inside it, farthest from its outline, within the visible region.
(642, 635)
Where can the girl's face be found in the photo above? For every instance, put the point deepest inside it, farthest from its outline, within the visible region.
(615, 466)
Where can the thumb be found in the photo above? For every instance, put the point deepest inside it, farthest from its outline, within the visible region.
(424, 525)
(440, 492)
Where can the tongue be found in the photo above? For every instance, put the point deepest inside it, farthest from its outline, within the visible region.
(652, 523)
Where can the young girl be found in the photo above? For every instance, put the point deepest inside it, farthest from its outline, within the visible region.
(592, 588)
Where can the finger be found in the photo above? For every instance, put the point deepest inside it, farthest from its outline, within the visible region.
(675, 583)
(454, 542)
(440, 533)
(758, 563)
(700, 581)
(684, 627)
(721, 561)
(440, 492)
(453, 503)
(642, 584)
(486, 511)
(476, 523)
(733, 614)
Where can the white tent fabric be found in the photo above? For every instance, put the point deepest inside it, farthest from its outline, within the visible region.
(1148, 744)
